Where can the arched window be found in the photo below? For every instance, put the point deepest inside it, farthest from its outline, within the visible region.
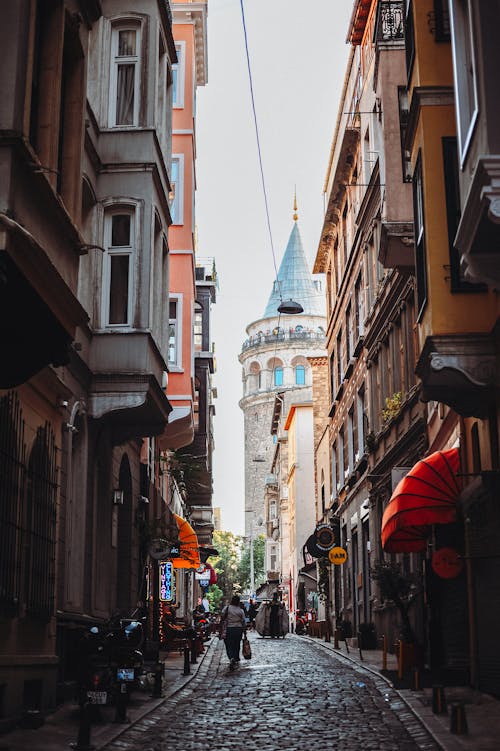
(278, 376)
(300, 375)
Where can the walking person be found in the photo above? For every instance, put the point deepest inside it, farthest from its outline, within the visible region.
(275, 617)
(236, 626)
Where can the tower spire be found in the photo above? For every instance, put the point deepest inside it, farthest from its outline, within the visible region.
(295, 215)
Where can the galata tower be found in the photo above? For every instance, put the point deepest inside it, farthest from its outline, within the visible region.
(274, 360)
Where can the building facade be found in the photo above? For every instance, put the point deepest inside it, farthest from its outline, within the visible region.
(86, 137)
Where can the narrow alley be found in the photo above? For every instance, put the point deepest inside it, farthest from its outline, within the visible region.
(292, 694)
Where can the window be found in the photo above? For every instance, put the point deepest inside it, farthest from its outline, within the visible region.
(177, 184)
(359, 309)
(278, 376)
(451, 179)
(462, 30)
(178, 76)
(350, 440)
(361, 421)
(418, 218)
(349, 333)
(340, 363)
(341, 463)
(125, 76)
(300, 375)
(335, 478)
(174, 332)
(409, 38)
(198, 327)
(119, 242)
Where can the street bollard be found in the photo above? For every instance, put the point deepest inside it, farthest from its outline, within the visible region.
(187, 668)
(194, 648)
(157, 685)
(439, 700)
(384, 652)
(121, 704)
(336, 638)
(84, 729)
(416, 679)
(458, 720)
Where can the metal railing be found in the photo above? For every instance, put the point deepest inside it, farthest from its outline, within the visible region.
(284, 336)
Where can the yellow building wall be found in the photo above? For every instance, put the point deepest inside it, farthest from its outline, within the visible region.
(445, 313)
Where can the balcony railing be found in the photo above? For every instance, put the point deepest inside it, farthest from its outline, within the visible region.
(272, 337)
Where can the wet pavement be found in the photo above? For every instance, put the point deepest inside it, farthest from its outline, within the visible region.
(293, 694)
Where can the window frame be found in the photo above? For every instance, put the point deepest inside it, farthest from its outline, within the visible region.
(175, 365)
(177, 203)
(136, 60)
(275, 372)
(130, 251)
(464, 57)
(179, 76)
(303, 370)
(419, 234)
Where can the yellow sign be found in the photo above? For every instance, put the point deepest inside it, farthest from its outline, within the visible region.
(337, 556)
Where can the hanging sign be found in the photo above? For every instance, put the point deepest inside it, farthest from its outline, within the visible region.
(324, 537)
(167, 581)
(337, 556)
(446, 563)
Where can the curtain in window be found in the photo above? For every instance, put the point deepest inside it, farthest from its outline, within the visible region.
(125, 95)
(118, 294)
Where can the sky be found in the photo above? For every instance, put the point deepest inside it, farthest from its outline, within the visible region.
(298, 56)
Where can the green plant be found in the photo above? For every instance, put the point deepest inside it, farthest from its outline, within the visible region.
(323, 579)
(392, 406)
(400, 588)
(370, 441)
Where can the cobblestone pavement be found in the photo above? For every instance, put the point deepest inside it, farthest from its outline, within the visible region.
(291, 695)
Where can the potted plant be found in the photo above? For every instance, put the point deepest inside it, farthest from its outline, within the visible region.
(401, 589)
(367, 636)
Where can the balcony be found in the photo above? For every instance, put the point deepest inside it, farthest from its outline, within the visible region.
(460, 371)
(292, 335)
(126, 386)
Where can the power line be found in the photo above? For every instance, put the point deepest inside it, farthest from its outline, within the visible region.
(258, 141)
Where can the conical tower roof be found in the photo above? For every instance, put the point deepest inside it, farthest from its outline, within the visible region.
(294, 281)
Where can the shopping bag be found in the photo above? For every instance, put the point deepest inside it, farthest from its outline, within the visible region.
(247, 649)
(223, 628)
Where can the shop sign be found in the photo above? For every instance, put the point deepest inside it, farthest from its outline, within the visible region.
(325, 537)
(446, 563)
(166, 573)
(337, 556)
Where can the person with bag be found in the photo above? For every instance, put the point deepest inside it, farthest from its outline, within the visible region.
(236, 627)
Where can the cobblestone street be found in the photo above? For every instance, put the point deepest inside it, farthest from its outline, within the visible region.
(291, 695)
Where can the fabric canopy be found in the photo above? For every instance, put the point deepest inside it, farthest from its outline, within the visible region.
(426, 496)
(189, 556)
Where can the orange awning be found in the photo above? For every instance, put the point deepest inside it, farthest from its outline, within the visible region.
(426, 496)
(189, 556)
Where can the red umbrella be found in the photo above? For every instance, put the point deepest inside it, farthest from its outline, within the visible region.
(426, 496)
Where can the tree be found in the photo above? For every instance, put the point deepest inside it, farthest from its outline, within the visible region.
(259, 549)
(226, 564)
(402, 589)
(215, 595)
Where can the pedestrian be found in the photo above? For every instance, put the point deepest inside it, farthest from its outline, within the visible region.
(275, 617)
(252, 612)
(236, 627)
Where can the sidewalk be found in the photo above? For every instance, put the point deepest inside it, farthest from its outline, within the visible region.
(60, 729)
(482, 712)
